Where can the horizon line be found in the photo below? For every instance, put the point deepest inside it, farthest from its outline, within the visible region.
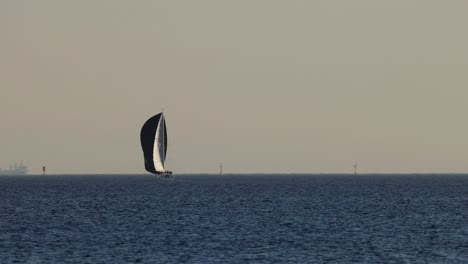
(247, 173)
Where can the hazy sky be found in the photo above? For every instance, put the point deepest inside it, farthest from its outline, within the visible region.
(259, 85)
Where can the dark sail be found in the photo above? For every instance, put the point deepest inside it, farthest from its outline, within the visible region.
(153, 138)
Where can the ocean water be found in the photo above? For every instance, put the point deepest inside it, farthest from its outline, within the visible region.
(234, 219)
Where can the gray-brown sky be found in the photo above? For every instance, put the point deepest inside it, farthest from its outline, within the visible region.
(262, 86)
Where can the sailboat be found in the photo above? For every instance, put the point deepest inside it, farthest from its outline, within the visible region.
(153, 137)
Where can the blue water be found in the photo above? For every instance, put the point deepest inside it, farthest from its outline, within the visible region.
(234, 219)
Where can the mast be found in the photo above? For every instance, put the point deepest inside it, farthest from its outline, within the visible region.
(162, 121)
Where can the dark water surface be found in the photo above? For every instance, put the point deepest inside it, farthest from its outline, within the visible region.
(234, 219)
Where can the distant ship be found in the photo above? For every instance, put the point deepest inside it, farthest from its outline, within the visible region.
(153, 137)
(15, 170)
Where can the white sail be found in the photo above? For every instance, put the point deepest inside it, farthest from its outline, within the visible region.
(159, 146)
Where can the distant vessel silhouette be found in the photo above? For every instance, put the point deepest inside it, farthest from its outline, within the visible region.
(153, 137)
(15, 170)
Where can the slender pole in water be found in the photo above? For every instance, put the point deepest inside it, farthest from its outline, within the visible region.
(355, 168)
(221, 169)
